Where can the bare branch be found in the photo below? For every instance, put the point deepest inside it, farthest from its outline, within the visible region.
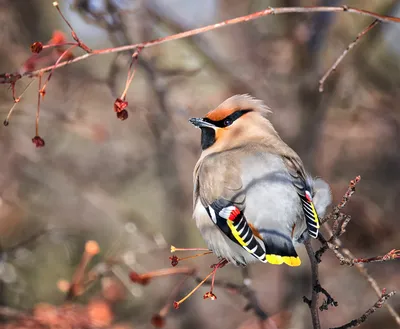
(313, 303)
(236, 20)
(363, 271)
(345, 52)
(356, 322)
(391, 255)
(346, 197)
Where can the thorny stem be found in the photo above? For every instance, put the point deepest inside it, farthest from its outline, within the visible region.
(345, 52)
(236, 20)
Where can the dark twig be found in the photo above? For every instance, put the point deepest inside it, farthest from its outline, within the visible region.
(329, 301)
(334, 214)
(345, 52)
(340, 221)
(356, 322)
(315, 284)
(374, 284)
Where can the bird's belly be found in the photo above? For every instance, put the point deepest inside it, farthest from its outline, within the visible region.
(216, 240)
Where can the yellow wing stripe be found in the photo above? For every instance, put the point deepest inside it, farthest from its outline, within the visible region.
(236, 234)
(316, 219)
(278, 260)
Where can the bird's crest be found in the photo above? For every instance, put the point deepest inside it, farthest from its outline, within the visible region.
(238, 102)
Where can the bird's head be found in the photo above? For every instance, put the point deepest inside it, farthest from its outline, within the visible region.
(239, 119)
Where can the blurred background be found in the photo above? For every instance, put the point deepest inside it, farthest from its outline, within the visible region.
(128, 184)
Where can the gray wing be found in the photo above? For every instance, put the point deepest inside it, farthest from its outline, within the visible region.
(220, 190)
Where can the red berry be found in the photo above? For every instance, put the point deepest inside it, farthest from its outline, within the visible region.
(174, 260)
(38, 141)
(210, 295)
(36, 47)
(120, 105)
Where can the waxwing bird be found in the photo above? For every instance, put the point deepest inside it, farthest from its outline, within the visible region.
(253, 199)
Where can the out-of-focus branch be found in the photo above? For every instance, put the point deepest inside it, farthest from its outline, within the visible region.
(345, 52)
(190, 33)
(356, 322)
(363, 271)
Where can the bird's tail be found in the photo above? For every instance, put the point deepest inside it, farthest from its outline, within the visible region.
(322, 196)
(279, 248)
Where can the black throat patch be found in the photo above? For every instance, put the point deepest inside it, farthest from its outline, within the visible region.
(207, 137)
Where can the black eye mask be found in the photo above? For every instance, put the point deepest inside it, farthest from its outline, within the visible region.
(208, 133)
(228, 120)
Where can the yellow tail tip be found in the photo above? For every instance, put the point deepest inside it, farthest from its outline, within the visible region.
(288, 260)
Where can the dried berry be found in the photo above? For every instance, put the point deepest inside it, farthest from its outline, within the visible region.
(158, 321)
(210, 295)
(123, 115)
(38, 141)
(36, 47)
(174, 260)
(120, 105)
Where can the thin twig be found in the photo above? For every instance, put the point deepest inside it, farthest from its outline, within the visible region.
(374, 284)
(190, 33)
(356, 322)
(345, 52)
(73, 33)
(391, 255)
(334, 214)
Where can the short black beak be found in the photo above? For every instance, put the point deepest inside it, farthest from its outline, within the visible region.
(200, 123)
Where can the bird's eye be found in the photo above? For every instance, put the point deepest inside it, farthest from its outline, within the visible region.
(227, 122)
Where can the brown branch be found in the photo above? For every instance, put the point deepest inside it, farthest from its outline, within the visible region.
(334, 214)
(363, 271)
(313, 303)
(391, 255)
(356, 322)
(80, 43)
(236, 20)
(345, 52)
(340, 222)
